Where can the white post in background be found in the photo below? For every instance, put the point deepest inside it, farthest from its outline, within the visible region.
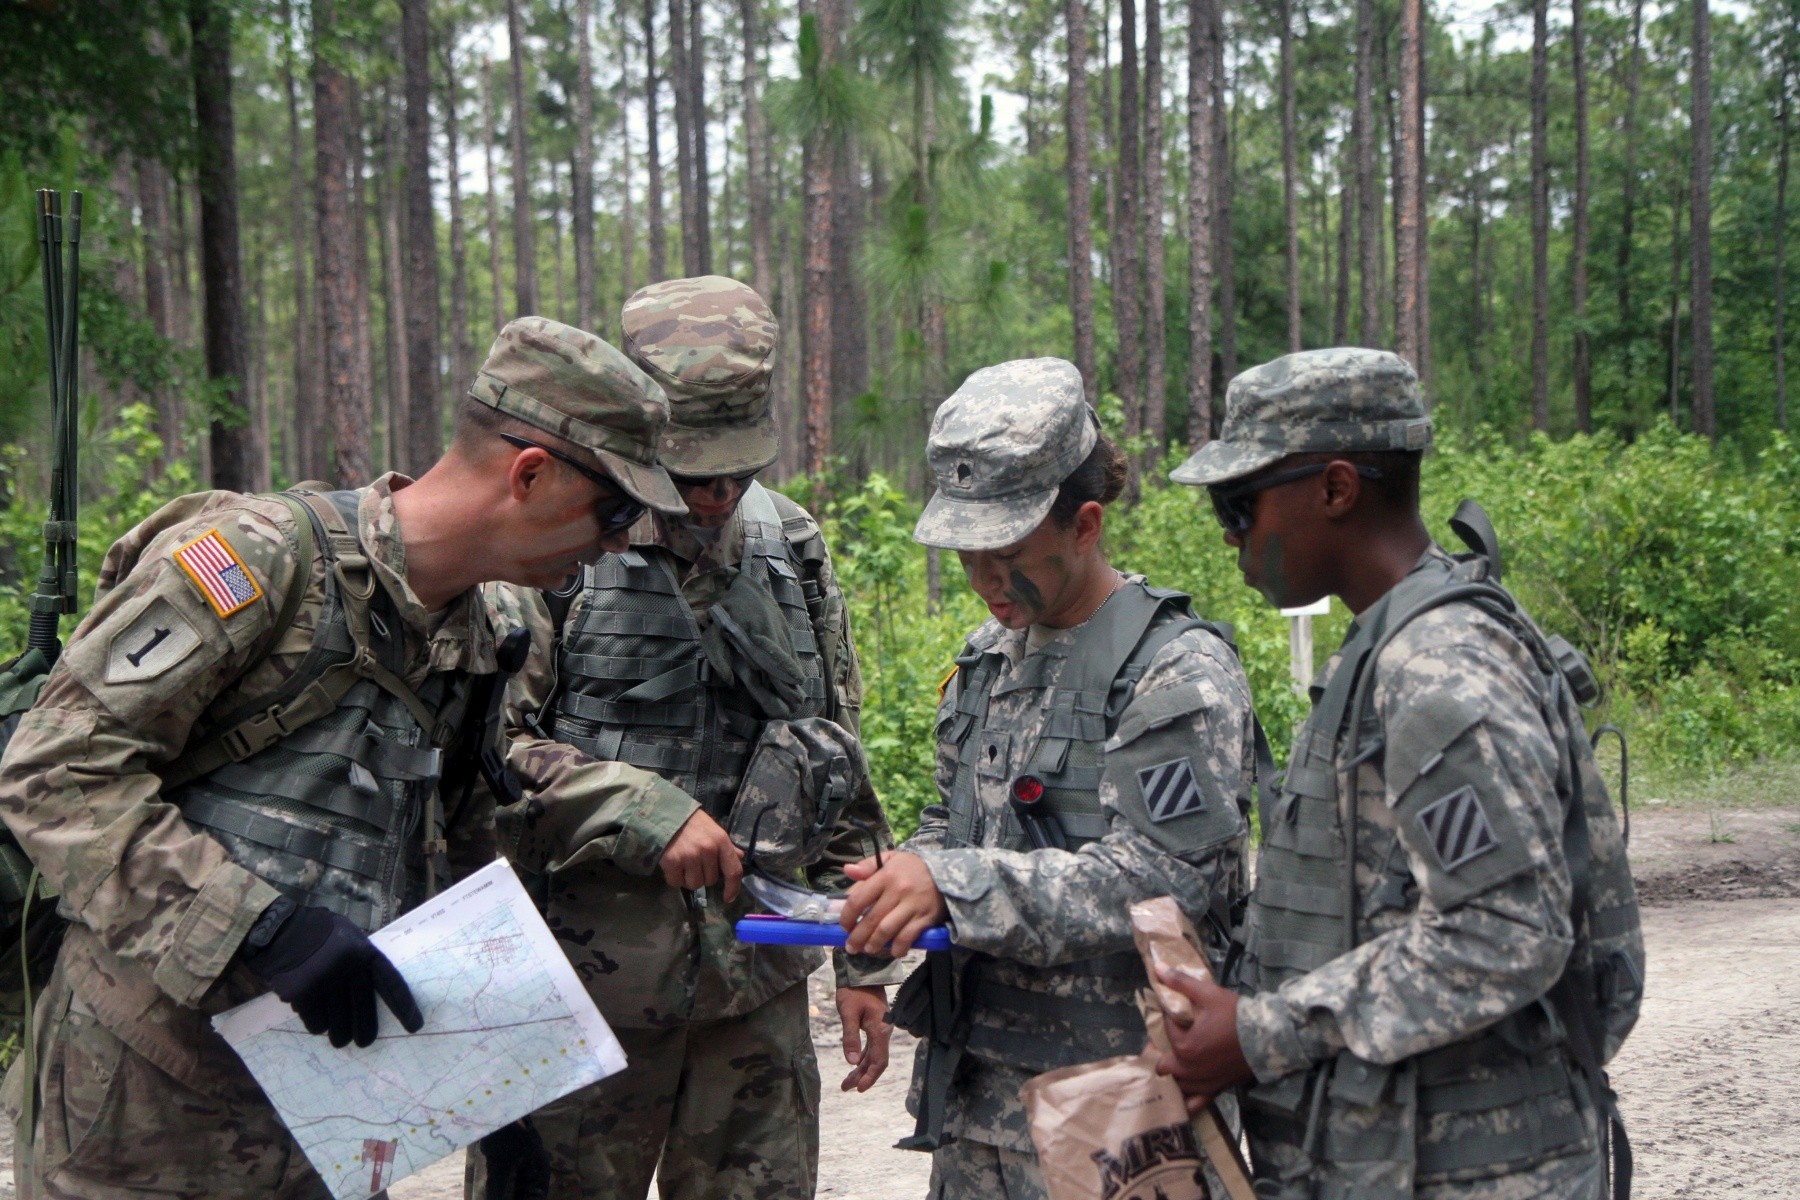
(1300, 641)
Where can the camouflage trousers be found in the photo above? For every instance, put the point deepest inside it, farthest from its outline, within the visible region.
(110, 1125)
(730, 1108)
(965, 1170)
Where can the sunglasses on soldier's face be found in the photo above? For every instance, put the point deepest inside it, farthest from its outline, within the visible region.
(615, 510)
(1235, 504)
(742, 477)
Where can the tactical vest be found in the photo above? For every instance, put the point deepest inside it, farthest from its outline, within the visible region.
(329, 789)
(1009, 1012)
(635, 684)
(1350, 1124)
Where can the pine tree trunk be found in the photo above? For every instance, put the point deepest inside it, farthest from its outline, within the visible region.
(658, 268)
(304, 437)
(816, 295)
(1700, 206)
(1224, 177)
(849, 301)
(424, 417)
(559, 296)
(1127, 301)
(221, 255)
(159, 296)
(1540, 218)
(1290, 170)
(1368, 200)
(1675, 312)
(361, 218)
(1340, 309)
(581, 171)
(697, 130)
(346, 399)
(1411, 198)
(462, 348)
(1422, 247)
(525, 283)
(1199, 221)
(684, 137)
(1155, 274)
(490, 142)
(627, 218)
(1782, 117)
(1628, 186)
(1584, 402)
(1081, 198)
(755, 152)
(396, 388)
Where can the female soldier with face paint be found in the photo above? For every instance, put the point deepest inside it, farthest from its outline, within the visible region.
(1095, 748)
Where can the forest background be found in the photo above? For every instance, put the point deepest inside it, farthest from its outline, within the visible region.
(305, 220)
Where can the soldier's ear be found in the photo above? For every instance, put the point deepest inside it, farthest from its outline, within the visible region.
(528, 471)
(1090, 523)
(1342, 487)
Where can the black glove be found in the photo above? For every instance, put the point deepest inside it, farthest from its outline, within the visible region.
(518, 1165)
(327, 968)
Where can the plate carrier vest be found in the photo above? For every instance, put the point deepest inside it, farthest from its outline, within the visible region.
(329, 788)
(994, 1008)
(635, 685)
(1354, 1121)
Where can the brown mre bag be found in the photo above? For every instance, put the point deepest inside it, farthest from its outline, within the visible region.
(1113, 1130)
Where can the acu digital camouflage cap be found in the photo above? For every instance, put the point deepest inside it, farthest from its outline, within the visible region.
(1318, 400)
(1000, 447)
(571, 384)
(710, 342)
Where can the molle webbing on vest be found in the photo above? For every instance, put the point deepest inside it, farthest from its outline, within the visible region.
(325, 789)
(634, 681)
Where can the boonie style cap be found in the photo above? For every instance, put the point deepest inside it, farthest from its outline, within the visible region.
(710, 342)
(1345, 398)
(1000, 447)
(573, 385)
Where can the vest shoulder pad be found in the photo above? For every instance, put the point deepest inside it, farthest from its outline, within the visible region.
(800, 529)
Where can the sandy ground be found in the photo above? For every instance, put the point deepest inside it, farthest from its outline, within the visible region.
(1710, 1081)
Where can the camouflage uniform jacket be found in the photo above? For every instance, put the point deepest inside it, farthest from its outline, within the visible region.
(1047, 908)
(592, 833)
(158, 909)
(1444, 951)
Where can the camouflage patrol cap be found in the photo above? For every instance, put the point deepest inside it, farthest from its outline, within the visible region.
(710, 342)
(1000, 447)
(1344, 398)
(576, 387)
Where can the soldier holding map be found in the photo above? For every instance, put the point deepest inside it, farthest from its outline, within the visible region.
(233, 774)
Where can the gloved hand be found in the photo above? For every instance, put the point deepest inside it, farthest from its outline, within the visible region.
(518, 1165)
(327, 968)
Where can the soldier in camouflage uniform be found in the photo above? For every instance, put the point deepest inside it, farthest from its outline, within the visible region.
(669, 663)
(1095, 748)
(203, 858)
(1428, 1003)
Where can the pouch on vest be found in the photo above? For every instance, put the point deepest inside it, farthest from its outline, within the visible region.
(31, 930)
(749, 646)
(801, 776)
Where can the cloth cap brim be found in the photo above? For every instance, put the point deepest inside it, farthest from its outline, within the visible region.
(648, 484)
(705, 451)
(952, 524)
(1221, 462)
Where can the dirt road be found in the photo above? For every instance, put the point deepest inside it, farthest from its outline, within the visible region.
(1710, 1081)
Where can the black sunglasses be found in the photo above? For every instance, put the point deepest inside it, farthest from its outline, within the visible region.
(1235, 504)
(615, 510)
(704, 480)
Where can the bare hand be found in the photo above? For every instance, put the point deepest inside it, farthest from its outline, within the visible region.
(1208, 1058)
(863, 1011)
(889, 908)
(700, 854)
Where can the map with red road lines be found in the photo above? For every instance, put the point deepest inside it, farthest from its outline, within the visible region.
(508, 1028)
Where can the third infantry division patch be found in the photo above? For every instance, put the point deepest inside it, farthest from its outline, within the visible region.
(1170, 790)
(1458, 828)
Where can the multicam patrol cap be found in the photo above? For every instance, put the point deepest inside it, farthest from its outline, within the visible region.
(710, 342)
(1000, 447)
(573, 385)
(1339, 399)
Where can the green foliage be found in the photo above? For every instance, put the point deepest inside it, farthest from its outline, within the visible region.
(1672, 566)
(128, 454)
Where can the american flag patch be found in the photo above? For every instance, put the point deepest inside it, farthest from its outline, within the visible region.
(221, 575)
